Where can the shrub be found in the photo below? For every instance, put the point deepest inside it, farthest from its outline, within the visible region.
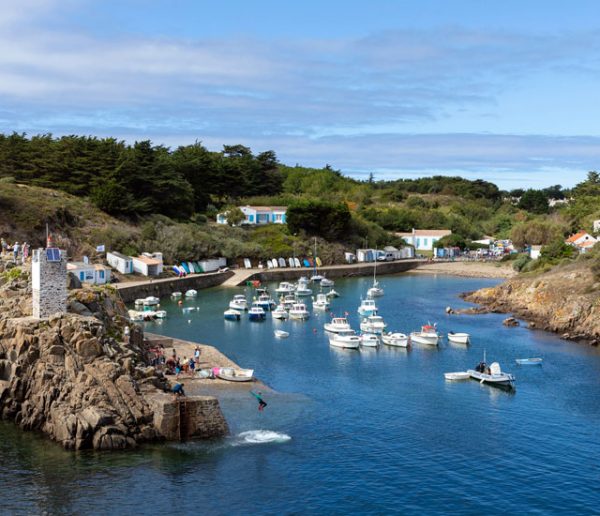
(520, 262)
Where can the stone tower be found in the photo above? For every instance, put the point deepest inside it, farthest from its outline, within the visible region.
(49, 282)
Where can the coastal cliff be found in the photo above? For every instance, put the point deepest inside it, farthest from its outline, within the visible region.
(75, 378)
(564, 300)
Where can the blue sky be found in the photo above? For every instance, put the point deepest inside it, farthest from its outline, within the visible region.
(504, 91)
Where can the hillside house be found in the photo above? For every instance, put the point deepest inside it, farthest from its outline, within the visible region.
(596, 226)
(258, 215)
(423, 239)
(148, 264)
(120, 262)
(582, 240)
(535, 251)
(92, 273)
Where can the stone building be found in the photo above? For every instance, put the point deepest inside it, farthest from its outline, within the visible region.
(49, 282)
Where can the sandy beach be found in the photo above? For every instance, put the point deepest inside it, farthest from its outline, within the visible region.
(468, 269)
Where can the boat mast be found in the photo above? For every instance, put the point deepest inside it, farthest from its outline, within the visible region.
(315, 258)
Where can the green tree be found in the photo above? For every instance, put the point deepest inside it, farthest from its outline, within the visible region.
(534, 201)
(319, 218)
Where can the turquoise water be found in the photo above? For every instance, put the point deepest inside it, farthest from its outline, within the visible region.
(375, 431)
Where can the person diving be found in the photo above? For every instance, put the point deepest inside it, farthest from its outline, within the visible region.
(261, 403)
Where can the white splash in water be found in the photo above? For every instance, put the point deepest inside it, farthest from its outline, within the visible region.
(260, 437)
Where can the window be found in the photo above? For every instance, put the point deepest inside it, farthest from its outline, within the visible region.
(425, 242)
(82, 276)
(101, 274)
(418, 243)
(251, 218)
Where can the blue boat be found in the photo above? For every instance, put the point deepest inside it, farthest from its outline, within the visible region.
(232, 315)
(256, 313)
(185, 267)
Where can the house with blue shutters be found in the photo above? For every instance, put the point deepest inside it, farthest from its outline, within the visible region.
(423, 239)
(93, 273)
(258, 215)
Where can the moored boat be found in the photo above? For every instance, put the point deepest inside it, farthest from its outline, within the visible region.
(373, 324)
(332, 293)
(285, 288)
(369, 340)
(239, 302)
(280, 334)
(299, 312)
(346, 339)
(337, 325)
(459, 338)
(529, 361)
(302, 288)
(280, 313)
(191, 293)
(459, 375)
(395, 339)
(176, 295)
(256, 313)
(235, 375)
(321, 302)
(232, 315)
(491, 375)
(265, 302)
(428, 335)
(367, 307)
(326, 282)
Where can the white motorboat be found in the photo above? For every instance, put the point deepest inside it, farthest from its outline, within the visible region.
(161, 314)
(373, 324)
(459, 338)
(232, 315)
(191, 293)
(492, 375)
(285, 288)
(346, 339)
(299, 312)
(337, 325)
(280, 334)
(367, 307)
(316, 278)
(265, 302)
(288, 301)
(280, 313)
(176, 295)
(369, 340)
(302, 288)
(256, 313)
(529, 361)
(459, 375)
(239, 302)
(321, 302)
(428, 336)
(395, 339)
(326, 282)
(148, 301)
(235, 375)
(332, 293)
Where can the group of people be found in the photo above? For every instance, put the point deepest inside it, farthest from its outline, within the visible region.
(20, 252)
(187, 366)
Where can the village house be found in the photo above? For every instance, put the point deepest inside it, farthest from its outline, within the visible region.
(596, 226)
(535, 251)
(257, 215)
(120, 262)
(582, 240)
(93, 273)
(148, 264)
(423, 239)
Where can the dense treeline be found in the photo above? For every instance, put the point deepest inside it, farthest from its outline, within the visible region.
(141, 178)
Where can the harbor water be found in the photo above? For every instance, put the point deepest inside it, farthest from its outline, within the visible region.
(373, 431)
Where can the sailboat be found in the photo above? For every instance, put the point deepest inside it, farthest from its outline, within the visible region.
(375, 290)
(315, 278)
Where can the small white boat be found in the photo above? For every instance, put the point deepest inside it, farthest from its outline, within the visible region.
(395, 339)
(239, 302)
(280, 313)
(288, 301)
(337, 325)
(191, 293)
(236, 375)
(302, 288)
(491, 374)
(148, 301)
(321, 302)
(375, 290)
(347, 340)
(161, 314)
(232, 315)
(459, 338)
(265, 302)
(285, 288)
(369, 340)
(367, 307)
(280, 334)
(299, 312)
(332, 293)
(176, 295)
(428, 335)
(325, 282)
(316, 278)
(256, 313)
(188, 309)
(529, 361)
(460, 375)
(373, 324)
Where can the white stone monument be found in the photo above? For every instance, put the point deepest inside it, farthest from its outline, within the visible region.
(49, 282)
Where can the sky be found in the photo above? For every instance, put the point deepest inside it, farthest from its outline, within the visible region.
(503, 91)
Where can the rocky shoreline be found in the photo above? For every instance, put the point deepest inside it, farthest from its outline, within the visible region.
(565, 300)
(79, 380)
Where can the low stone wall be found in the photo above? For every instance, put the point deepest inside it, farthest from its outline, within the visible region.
(191, 417)
(164, 287)
(337, 271)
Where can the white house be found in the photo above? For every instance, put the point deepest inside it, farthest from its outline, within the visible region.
(582, 240)
(93, 273)
(148, 264)
(596, 226)
(535, 251)
(258, 215)
(120, 262)
(423, 239)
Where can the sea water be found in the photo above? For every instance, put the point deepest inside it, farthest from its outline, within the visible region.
(373, 431)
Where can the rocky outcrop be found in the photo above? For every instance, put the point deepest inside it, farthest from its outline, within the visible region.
(565, 300)
(77, 379)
